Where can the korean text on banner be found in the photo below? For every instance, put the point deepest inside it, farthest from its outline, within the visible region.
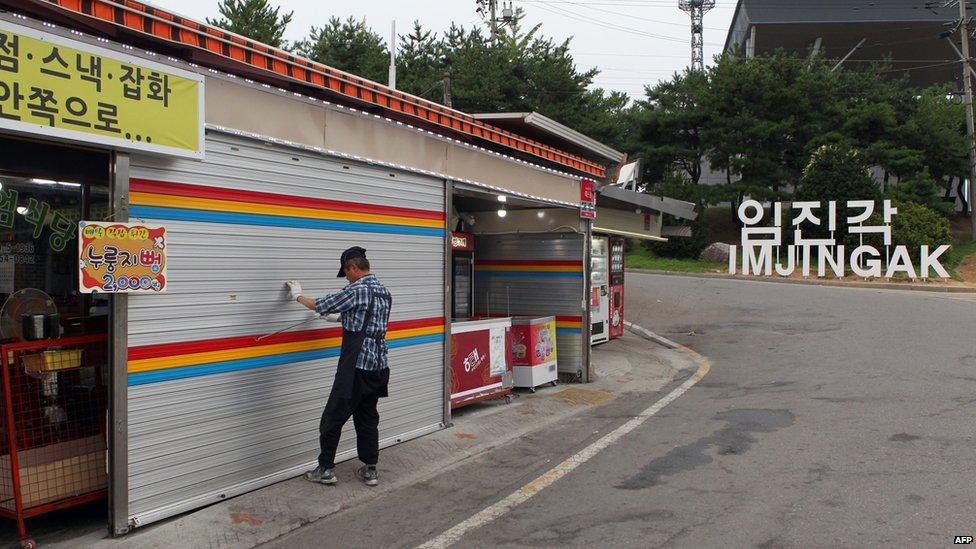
(121, 258)
(63, 88)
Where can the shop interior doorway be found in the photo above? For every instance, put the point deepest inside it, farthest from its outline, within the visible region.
(54, 341)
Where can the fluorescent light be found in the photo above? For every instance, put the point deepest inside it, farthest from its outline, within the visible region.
(52, 182)
(502, 198)
(22, 210)
(502, 212)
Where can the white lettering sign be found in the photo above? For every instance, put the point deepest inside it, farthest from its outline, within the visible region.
(762, 251)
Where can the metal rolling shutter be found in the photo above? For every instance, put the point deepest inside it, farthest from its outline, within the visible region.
(212, 412)
(535, 274)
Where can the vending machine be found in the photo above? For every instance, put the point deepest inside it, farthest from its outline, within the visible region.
(600, 290)
(462, 268)
(616, 287)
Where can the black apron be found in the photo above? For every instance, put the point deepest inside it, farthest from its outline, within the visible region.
(352, 346)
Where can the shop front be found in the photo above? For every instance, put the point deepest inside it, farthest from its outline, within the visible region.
(70, 114)
(528, 261)
(54, 343)
(216, 408)
(143, 250)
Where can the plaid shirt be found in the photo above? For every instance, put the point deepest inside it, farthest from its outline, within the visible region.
(352, 302)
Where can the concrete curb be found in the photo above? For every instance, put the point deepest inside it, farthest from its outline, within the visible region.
(647, 334)
(868, 285)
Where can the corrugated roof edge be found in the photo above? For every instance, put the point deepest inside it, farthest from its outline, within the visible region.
(158, 24)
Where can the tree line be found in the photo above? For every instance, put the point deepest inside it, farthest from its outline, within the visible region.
(519, 70)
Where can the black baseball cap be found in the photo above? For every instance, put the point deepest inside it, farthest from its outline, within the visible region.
(351, 253)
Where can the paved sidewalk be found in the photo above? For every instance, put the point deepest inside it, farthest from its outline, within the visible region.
(631, 365)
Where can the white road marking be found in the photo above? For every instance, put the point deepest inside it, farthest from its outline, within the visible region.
(489, 514)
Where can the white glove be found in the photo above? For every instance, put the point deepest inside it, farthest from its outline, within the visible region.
(294, 289)
(334, 317)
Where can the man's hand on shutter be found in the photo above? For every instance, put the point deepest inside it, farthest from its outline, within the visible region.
(294, 289)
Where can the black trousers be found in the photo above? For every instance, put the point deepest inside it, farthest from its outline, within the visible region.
(367, 389)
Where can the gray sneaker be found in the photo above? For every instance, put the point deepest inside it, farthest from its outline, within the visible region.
(321, 475)
(368, 475)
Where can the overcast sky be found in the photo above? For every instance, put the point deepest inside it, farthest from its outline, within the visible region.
(633, 42)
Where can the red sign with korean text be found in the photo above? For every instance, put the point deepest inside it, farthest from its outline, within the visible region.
(470, 361)
(587, 199)
(587, 191)
(479, 360)
(121, 258)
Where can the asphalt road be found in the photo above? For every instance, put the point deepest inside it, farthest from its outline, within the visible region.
(831, 417)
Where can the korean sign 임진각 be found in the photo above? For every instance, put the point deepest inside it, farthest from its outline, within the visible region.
(58, 87)
(121, 258)
(869, 252)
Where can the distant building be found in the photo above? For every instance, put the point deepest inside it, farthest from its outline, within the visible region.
(904, 31)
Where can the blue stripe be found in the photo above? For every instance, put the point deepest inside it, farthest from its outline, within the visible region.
(569, 331)
(180, 214)
(512, 274)
(169, 374)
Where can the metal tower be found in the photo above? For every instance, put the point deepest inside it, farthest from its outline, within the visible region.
(697, 9)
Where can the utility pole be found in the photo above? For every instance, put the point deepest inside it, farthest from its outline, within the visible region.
(968, 89)
(447, 90)
(492, 7)
(489, 9)
(393, 46)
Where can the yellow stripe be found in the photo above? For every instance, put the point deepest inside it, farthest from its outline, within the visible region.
(208, 204)
(569, 324)
(208, 357)
(521, 268)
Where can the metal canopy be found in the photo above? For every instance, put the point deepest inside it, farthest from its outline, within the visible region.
(543, 128)
(615, 197)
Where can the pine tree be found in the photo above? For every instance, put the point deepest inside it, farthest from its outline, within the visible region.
(254, 19)
(349, 46)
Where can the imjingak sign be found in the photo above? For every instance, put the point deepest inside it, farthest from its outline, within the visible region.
(763, 254)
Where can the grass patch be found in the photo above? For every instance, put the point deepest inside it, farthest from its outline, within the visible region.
(643, 259)
(960, 250)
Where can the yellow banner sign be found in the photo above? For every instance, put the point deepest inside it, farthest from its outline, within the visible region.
(121, 258)
(55, 86)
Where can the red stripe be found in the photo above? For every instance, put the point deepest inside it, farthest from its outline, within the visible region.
(253, 197)
(205, 345)
(529, 262)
